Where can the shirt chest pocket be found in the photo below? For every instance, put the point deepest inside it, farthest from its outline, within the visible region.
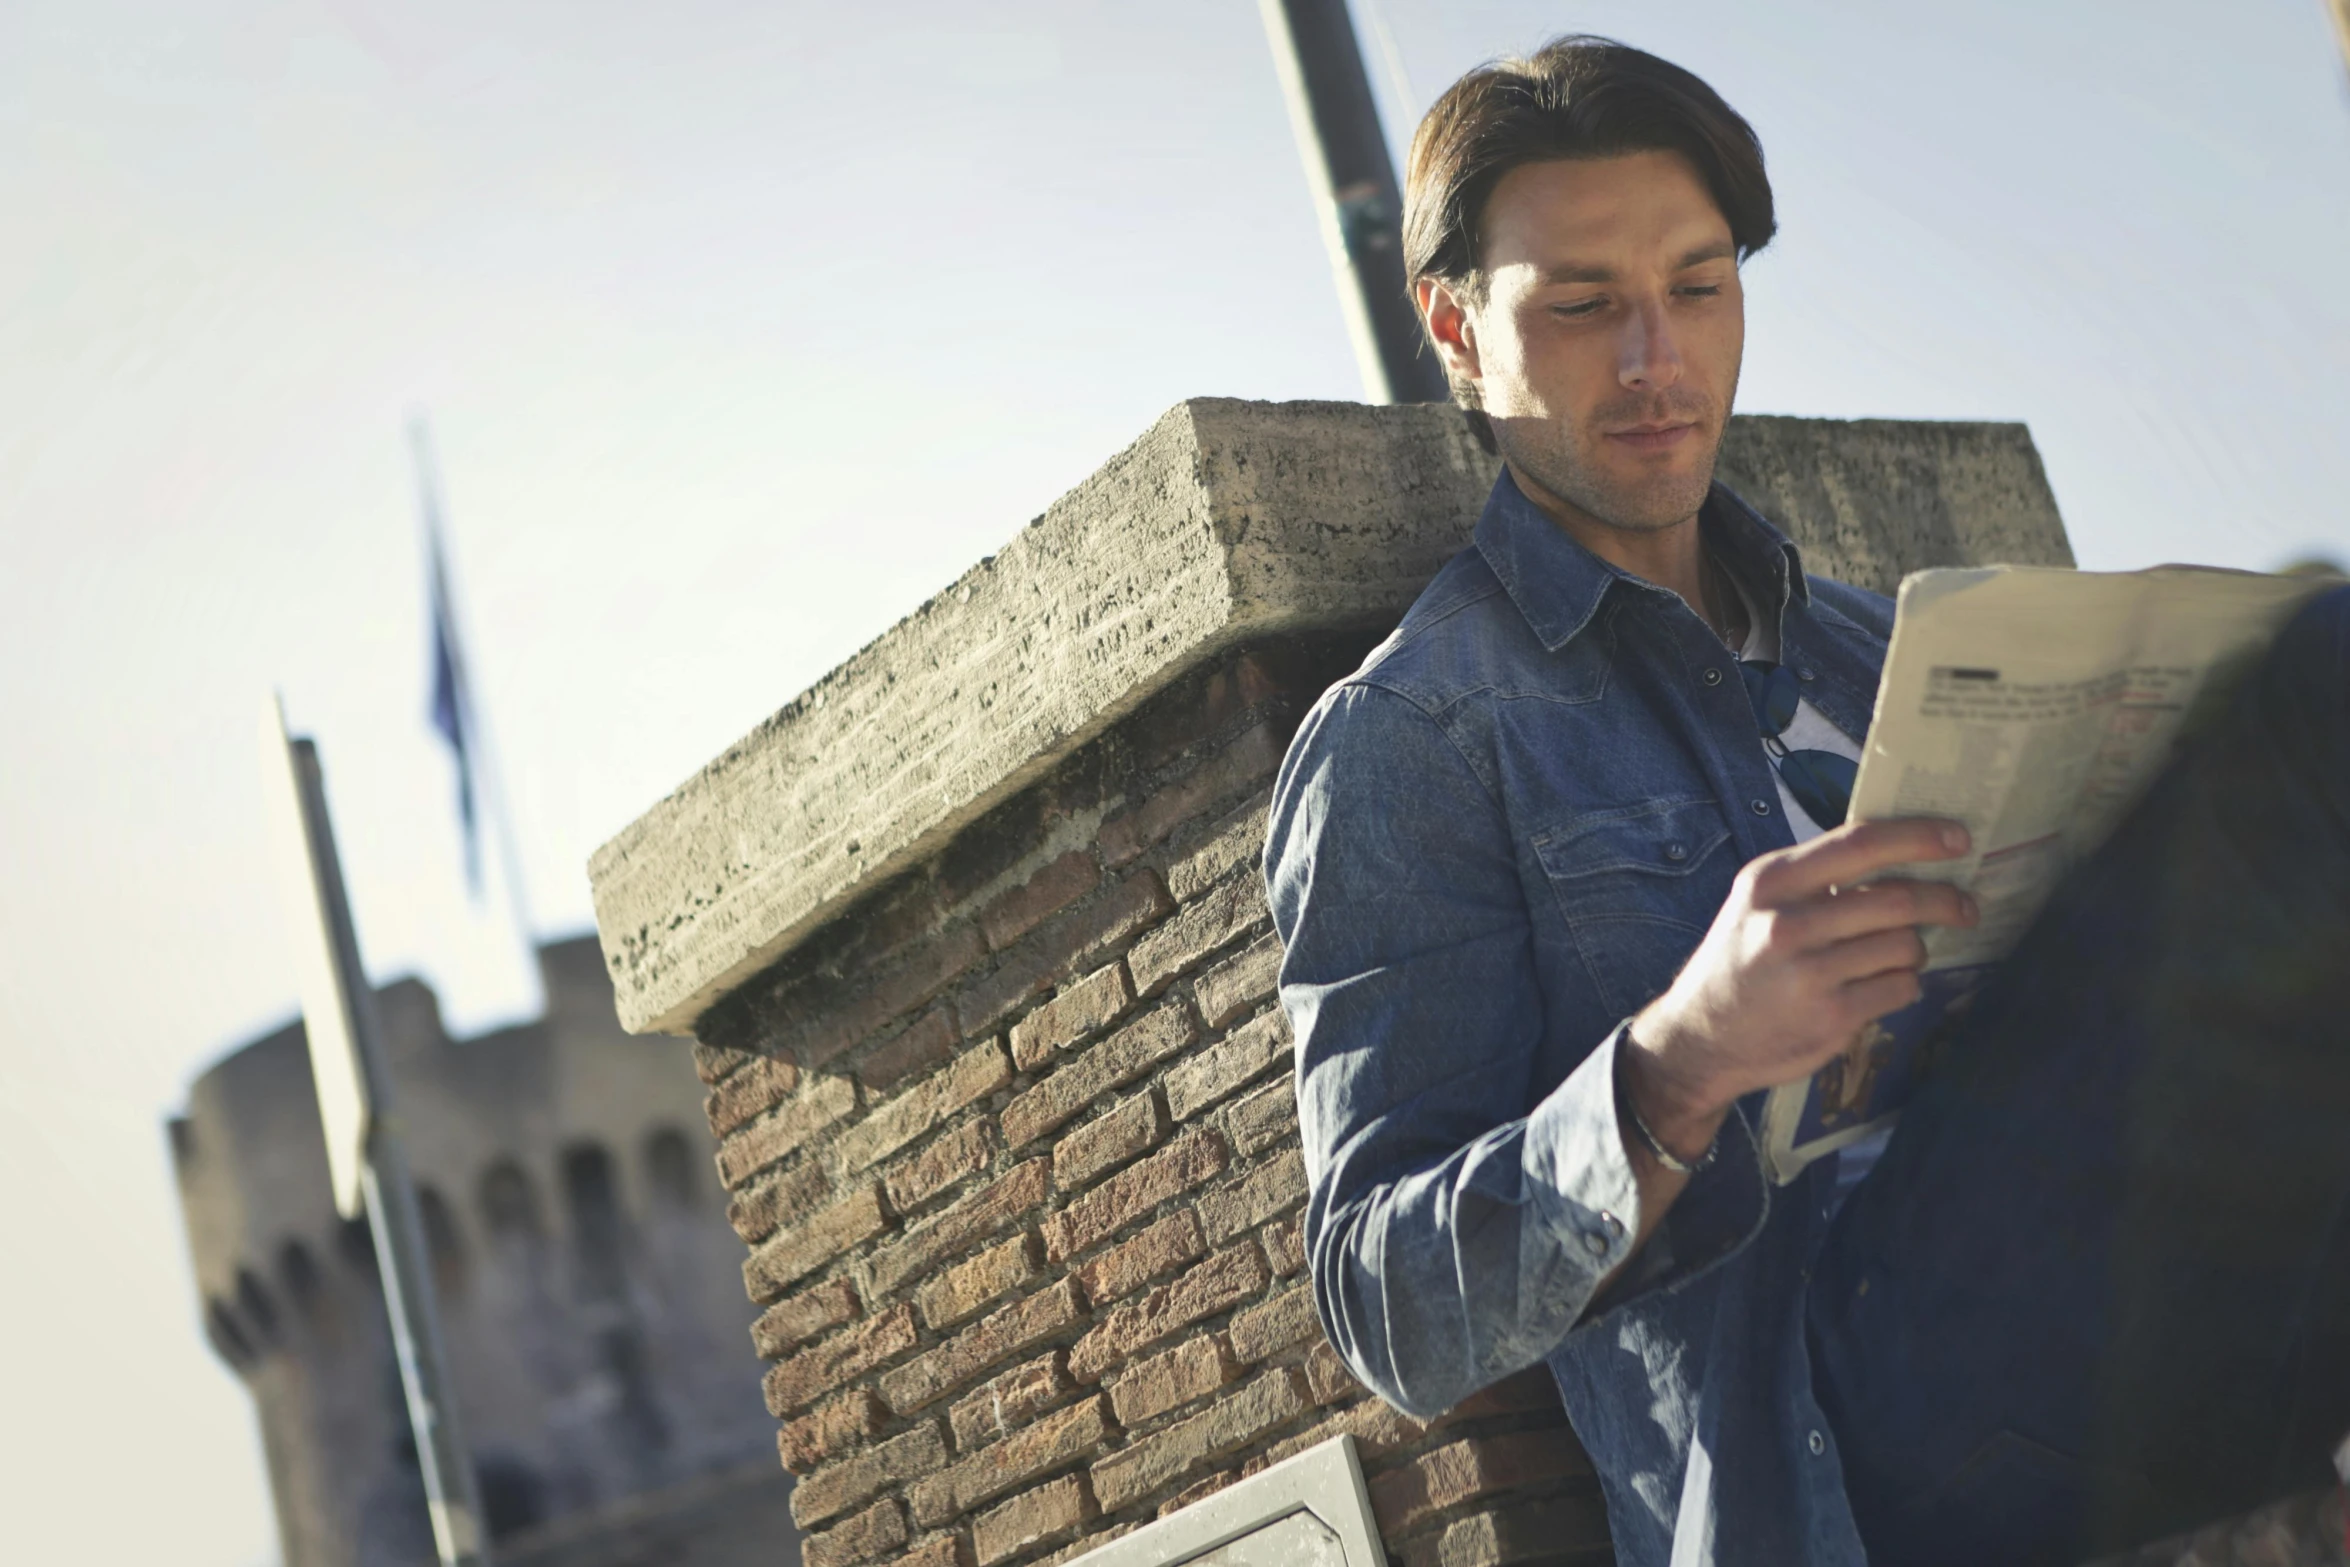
(1637, 888)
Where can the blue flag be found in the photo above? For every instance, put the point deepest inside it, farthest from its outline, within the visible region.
(452, 708)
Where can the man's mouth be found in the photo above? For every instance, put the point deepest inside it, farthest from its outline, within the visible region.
(1652, 437)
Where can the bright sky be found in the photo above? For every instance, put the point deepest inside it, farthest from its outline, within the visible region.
(743, 327)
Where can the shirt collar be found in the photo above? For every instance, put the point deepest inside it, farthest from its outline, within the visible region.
(1558, 585)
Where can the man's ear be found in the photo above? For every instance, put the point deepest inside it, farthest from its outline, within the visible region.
(1450, 327)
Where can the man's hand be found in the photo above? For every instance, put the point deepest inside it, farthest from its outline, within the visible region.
(1805, 954)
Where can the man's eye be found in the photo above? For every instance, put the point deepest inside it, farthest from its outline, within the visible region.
(1581, 307)
(1703, 290)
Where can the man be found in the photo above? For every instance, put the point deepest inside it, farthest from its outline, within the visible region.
(1563, 888)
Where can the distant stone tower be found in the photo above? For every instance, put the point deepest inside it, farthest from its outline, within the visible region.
(590, 1289)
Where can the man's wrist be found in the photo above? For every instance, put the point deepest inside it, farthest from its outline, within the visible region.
(1677, 1112)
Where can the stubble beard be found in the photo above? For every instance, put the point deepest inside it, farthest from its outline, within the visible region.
(1566, 461)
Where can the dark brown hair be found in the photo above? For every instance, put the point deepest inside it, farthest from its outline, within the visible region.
(1576, 97)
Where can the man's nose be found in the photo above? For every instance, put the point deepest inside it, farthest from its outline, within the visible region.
(1648, 358)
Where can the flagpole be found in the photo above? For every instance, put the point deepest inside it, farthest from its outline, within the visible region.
(480, 752)
(366, 1159)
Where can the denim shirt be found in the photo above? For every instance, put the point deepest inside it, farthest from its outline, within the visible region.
(1489, 846)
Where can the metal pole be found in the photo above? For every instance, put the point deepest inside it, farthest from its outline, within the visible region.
(1345, 152)
(363, 1142)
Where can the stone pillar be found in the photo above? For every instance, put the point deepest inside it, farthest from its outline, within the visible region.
(973, 944)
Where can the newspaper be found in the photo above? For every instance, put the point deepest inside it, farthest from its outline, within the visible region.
(2034, 704)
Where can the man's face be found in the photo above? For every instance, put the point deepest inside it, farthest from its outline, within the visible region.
(1606, 349)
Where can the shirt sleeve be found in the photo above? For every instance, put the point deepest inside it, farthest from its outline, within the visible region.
(1458, 1227)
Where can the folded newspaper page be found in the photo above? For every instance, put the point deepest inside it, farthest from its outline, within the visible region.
(2034, 704)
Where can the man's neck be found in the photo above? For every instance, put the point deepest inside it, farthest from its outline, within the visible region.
(1672, 557)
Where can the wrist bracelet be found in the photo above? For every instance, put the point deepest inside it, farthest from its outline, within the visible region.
(1655, 1144)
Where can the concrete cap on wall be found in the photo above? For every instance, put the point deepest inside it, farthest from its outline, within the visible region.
(1226, 522)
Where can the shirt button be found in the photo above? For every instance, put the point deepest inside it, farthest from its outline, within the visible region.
(1595, 1243)
(1803, 674)
(1712, 677)
(1759, 807)
(1676, 851)
(1817, 1443)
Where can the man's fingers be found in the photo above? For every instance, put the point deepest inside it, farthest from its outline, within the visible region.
(1879, 994)
(1853, 853)
(1883, 905)
(1880, 952)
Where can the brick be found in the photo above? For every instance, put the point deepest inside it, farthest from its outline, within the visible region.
(1218, 1284)
(1263, 1119)
(751, 1092)
(1092, 1542)
(802, 1249)
(881, 927)
(945, 1550)
(1093, 1218)
(1111, 1064)
(1051, 1512)
(760, 1144)
(1152, 1463)
(1152, 1254)
(1237, 840)
(1247, 1054)
(1191, 1370)
(786, 1325)
(843, 1012)
(1327, 1377)
(1077, 1013)
(1108, 1141)
(948, 1161)
(1253, 756)
(977, 1072)
(786, 1197)
(833, 1428)
(1521, 1393)
(714, 1063)
(1284, 1241)
(1468, 1470)
(1197, 930)
(955, 1229)
(852, 1482)
(837, 1361)
(1542, 1531)
(970, 1286)
(884, 924)
(1284, 1321)
(1027, 1454)
(1235, 986)
(997, 1406)
(879, 1528)
(1070, 943)
(1379, 1429)
(919, 1046)
(1062, 882)
(1267, 1190)
(1197, 1491)
(1295, 1443)
(979, 1349)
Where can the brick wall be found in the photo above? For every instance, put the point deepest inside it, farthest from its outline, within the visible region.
(1013, 1146)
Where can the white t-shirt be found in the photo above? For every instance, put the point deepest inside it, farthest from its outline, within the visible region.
(1809, 731)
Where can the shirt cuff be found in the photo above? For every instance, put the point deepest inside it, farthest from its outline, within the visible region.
(1586, 1191)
